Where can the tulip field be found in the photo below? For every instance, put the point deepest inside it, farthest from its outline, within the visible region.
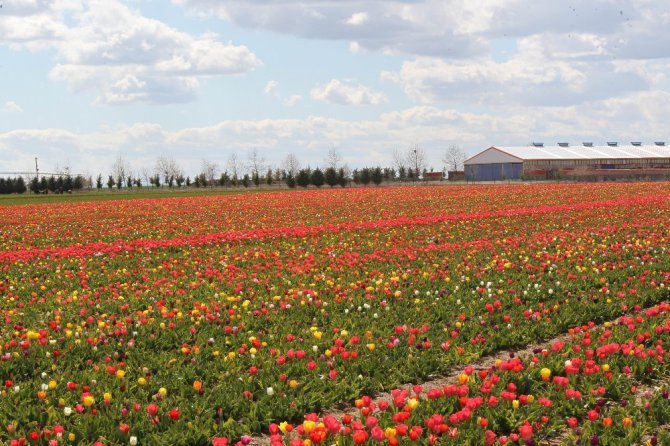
(486, 315)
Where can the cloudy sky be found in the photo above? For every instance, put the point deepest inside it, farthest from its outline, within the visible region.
(87, 81)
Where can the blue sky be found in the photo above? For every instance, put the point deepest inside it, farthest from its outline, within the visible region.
(85, 82)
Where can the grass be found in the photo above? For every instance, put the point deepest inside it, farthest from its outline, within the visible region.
(106, 194)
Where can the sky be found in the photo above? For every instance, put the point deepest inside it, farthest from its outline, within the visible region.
(86, 82)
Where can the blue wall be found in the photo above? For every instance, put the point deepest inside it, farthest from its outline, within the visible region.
(493, 172)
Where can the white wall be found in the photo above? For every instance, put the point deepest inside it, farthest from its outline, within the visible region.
(492, 155)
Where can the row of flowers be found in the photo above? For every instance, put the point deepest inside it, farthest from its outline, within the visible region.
(596, 387)
(81, 223)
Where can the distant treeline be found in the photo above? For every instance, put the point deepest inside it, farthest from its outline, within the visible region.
(53, 184)
(12, 185)
(57, 184)
(300, 178)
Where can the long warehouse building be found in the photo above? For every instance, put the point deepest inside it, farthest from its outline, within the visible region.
(585, 162)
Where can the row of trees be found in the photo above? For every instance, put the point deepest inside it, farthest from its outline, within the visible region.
(57, 184)
(12, 185)
(43, 185)
(408, 165)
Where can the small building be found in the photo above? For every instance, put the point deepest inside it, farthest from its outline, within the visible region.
(586, 162)
(433, 176)
(456, 175)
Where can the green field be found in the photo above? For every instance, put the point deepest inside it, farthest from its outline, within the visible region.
(94, 195)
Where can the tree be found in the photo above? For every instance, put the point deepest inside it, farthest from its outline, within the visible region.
(256, 165)
(268, 177)
(34, 185)
(110, 182)
(256, 179)
(365, 176)
(20, 185)
(291, 165)
(304, 177)
(317, 177)
(120, 170)
(180, 180)
(98, 182)
(399, 160)
(331, 176)
(377, 176)
(454, 158)
(341, 177)
(333, 158)
(416, 160)
(246, 180)
(146, 176)
(209, 170)
(78, 183)
(168, 168)
(234, 167)
(290, 181)
(68, 185)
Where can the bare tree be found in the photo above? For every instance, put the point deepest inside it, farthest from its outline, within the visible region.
(416, 159)
(146, 176)
(453, 158)
(333, 158)
(121, 169)
(291, 165)
(399, 160)
(256, 165)
(209, 170)
(234, 166)
(169, 169)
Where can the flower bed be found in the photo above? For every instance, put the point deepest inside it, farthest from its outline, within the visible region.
(202, 329)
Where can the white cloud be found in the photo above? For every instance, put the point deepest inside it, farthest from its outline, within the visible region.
(271, 88)
(635, 116)
(35, 24)
(338, 92)
(110, 48)
(584, 30)
(358, 19)
(537, 74)
(293, 100)
(355, 47)
(417, 27)
(12, 107)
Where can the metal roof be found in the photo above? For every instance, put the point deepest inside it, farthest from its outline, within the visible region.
(620, 151)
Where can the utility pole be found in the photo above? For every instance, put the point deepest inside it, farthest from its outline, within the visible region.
(37, 170)
(416, 166)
